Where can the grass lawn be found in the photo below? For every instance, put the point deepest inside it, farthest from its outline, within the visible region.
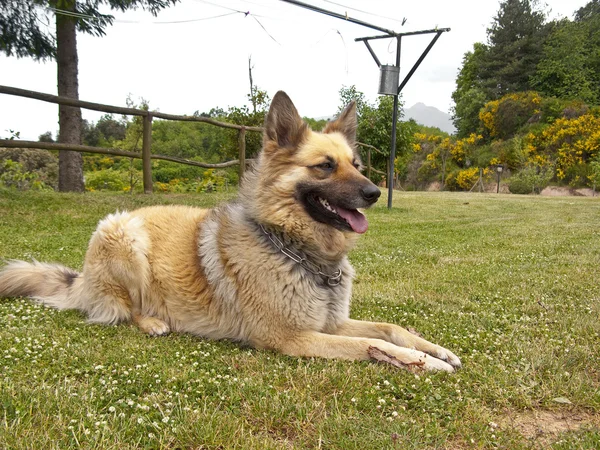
(509, 283)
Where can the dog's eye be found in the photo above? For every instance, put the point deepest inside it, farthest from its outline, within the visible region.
(326, 166)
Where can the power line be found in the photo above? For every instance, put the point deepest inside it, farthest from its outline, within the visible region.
(364, 12)
(78, 15)
(198, 20)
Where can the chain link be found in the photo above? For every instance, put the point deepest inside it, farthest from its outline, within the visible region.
(332, 280)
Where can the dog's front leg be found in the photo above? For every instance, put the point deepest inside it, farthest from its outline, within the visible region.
(312, 343)
(396, 335)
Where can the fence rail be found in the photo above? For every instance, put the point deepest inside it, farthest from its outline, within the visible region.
(145, 155)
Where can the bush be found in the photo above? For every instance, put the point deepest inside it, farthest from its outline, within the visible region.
(42, 163)
(531, 179)
(112, 180)
(13, 175)
(517, 185)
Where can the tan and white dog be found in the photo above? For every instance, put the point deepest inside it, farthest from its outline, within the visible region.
(268, 269)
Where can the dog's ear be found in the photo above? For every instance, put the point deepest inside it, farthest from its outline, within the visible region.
(283, 124)
(346, 124)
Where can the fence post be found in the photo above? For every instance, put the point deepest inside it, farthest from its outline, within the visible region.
(242, 152)
(146, 161)
(368, 163)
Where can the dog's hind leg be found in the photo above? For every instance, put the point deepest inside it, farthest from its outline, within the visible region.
(117, 273)
(148, 324)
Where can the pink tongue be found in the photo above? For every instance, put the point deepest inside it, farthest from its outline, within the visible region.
(357, 220)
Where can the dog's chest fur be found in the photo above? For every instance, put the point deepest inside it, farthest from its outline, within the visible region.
(252, 280)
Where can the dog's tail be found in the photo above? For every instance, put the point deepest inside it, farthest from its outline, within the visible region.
(51, 284)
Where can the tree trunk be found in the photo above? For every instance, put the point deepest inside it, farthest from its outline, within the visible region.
(70, 164)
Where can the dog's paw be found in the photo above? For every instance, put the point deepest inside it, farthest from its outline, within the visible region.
(447, 356)
(435, 364)
(153, 326)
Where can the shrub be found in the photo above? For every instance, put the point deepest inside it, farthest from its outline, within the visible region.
(13, 175)
(466, 178)
(531, 179)
(42, 163)
(106, 180)
(502, 118)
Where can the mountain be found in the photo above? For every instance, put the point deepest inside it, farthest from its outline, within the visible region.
(430, 116)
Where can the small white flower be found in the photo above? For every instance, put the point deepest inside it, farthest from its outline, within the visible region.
(111, 409)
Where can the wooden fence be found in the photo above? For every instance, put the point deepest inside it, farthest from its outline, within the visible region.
(146, 156)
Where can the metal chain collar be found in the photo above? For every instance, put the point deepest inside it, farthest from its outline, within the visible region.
(332, 280)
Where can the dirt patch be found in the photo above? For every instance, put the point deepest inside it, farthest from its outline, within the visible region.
(561, 191)
(544, 427)
(434, 187)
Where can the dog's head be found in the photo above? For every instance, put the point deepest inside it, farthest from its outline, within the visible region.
(310, 179)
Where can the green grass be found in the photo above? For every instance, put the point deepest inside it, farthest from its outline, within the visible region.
(509, 283)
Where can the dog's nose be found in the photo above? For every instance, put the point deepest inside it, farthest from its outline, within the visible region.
(370, 193)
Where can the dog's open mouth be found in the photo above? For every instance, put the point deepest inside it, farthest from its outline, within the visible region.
(341, 218)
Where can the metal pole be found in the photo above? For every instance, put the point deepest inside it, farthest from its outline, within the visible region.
(339, 16)
(419, 61)
(394, 125)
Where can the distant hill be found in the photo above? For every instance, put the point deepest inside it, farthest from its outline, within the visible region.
(430, 116)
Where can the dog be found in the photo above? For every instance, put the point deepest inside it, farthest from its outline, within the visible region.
(269, 269)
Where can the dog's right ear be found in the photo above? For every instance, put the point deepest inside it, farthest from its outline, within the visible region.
(283, 124)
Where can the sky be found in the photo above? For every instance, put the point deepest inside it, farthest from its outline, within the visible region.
(194, 56)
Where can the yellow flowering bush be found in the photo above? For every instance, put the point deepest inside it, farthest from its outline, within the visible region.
(503, 117)
(466, 178)
(461, 148)
(572, 142)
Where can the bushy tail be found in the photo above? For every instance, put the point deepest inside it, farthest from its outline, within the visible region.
(52, 284)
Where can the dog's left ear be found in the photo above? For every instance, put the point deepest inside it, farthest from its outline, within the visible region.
(346, 124)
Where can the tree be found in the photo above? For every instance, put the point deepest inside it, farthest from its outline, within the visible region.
(469, 96)
(375, 126)
(589, 18)
(46, 137)
(563, 70)
(515, 41)
(23, 33)
(104, 132)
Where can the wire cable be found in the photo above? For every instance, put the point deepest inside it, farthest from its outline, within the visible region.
(365, 12)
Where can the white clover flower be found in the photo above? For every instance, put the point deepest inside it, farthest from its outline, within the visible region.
(111, 409)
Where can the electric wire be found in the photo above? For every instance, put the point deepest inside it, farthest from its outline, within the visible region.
(365, 12)
(78, 15)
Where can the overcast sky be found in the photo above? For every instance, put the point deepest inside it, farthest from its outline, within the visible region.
(199, 61)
